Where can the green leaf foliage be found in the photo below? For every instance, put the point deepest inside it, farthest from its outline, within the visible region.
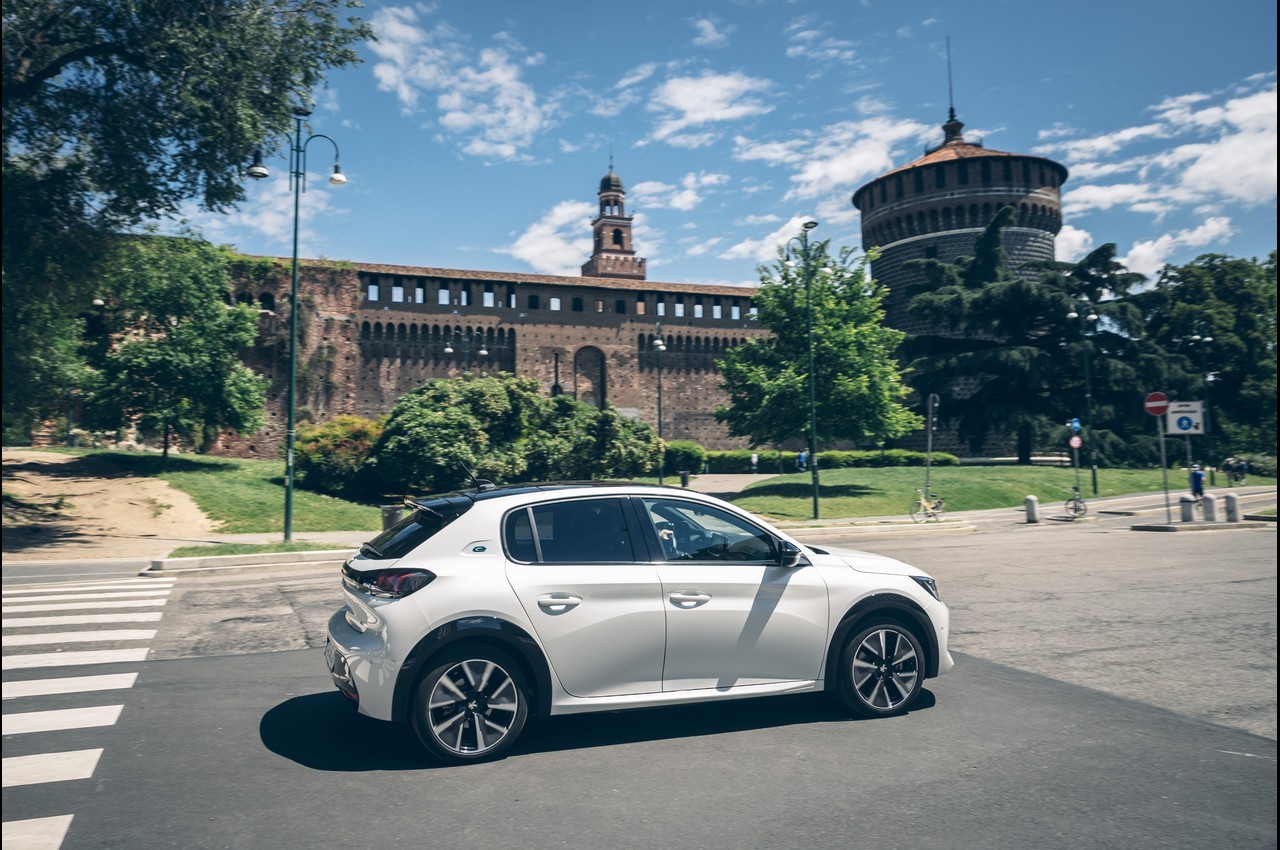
(170, 362)
(858, 384)
(116, 113)
(503, 430)
(331, 457)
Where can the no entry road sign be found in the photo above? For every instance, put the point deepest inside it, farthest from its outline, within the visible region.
(1156, 404)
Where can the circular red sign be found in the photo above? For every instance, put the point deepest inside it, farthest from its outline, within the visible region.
(1076, 442)
(1156, 404)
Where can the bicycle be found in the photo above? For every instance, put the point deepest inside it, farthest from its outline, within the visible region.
(927, 507)
(1076, 506)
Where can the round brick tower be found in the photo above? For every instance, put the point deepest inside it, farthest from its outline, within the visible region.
(937, 207)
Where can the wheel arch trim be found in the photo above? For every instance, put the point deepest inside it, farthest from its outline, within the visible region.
(901, 608)
(493, 631)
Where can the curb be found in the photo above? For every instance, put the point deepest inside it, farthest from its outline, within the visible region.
(820, 533)
(230, 564)
(1203, 526)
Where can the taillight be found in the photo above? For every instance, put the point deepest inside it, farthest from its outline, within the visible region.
(395, 584)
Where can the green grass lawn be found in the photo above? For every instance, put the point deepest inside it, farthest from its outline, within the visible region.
(888, 492)
(252, 549)
(244, 495)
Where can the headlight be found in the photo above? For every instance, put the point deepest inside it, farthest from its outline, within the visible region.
(928, 584)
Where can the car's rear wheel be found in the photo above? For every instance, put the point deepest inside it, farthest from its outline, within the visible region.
(881, 669)
(471, 706)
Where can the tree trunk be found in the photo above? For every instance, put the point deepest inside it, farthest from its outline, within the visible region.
(164, 455)
(1024, 443)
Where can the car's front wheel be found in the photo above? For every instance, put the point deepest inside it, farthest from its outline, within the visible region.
(471, 706)
(881, 669)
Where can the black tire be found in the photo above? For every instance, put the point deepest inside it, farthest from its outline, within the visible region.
(1076, 508)
(471, 705)
(914, 510)
(881, 669)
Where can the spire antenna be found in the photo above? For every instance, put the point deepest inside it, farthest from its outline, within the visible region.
(951, 99)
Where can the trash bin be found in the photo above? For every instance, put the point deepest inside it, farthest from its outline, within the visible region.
(391, 514)
(684, 478)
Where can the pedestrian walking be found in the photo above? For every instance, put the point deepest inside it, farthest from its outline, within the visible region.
(755, 462)
(1229, 467)
(801, 461)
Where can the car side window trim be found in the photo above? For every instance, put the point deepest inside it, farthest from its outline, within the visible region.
(611, 503)
(659, 552)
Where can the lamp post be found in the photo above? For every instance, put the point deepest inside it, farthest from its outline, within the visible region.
(1196, 342)
(803, 241)
(1088, 321)
(660, 346)
(464, 339)
(298, 178)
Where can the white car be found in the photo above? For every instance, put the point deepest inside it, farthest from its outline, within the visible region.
(483, 608)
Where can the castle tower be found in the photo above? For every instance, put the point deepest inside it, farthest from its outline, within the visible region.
(938, 205)
(612, 255)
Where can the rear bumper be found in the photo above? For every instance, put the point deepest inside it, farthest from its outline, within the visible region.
(360, 667)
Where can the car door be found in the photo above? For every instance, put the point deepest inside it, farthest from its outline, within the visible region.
(735, 616)
(595, 604)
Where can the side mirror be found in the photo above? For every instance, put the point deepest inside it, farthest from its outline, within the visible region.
(792, 556)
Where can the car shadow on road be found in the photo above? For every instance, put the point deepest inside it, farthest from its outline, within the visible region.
(323, 731)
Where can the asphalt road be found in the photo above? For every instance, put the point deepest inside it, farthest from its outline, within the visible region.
(1113, 689)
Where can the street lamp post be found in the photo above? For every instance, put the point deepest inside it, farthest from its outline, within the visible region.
(1197, 341)
(803, 240)
(464, 339)
(1088, 320)
(298, 178)
(660, 346)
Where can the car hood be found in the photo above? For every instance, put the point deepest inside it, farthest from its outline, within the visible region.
(867, 562)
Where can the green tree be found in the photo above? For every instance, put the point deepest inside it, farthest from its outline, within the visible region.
(1216, 319)
(503, 430)
(859, 384)
(1008, 361)
(171, 363)
(332, 455)
(118, 113)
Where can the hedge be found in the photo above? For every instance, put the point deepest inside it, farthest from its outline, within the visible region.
(739, 460)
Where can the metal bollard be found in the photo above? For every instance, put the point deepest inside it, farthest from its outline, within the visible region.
(1231, 504)
(1188, 509)
(1033, 509)
(1210, 508)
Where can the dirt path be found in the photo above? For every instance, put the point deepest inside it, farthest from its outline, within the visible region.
(63, 506)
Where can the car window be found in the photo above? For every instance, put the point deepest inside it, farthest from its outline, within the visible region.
(411, 532)
(583, 531)
(691, 531)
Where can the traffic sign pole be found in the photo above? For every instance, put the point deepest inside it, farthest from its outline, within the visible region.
(1157, 404)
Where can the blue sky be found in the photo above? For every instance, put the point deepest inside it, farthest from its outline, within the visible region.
(475, 134)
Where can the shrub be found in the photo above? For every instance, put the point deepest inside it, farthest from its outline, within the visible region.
(1261, 465)
(331, 458)
(684, 455)
(739, 460)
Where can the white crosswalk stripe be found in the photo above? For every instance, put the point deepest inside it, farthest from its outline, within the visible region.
(52, 618)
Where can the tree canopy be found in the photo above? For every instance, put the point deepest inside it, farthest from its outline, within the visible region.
(119, 113)
(167, 351)
(503, 429)
(859, 384)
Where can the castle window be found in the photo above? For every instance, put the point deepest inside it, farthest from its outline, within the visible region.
(884, 192)
(442, 296)
(717, 312)
(419, 294)
(617, 236)
(964, 173)
(577, 305)
(553, 303)
(511, 297)
(941, 174)
(985, 169)
(897, 187)
(535, 302)
(267, 301)
(640, 305)
(620, 306)
(697, 311)
(661, 308)
(753, 311)
(1026, 173)
(918, 181)
(464, 295)
(599, 305)
(735, 312)
(490, 299)
(372, 291)
(1007, 171)
(397, 290)
(679, 309)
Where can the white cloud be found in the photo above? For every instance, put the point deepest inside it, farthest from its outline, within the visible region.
(559, 242)
(1149, 257)
(753, 220)
(807, 41)
(684, 103)
(1091, 197)
(708, 35)
(765, 249)
(482, 100)
(686, 196)
(1073, 243)
(267, 211)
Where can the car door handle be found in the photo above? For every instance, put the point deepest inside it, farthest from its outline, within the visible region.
(689, 598)
(558, 603)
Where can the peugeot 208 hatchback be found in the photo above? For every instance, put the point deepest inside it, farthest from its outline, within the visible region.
(485, 607)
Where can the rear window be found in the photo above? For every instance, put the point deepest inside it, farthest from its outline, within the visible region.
(411, 532)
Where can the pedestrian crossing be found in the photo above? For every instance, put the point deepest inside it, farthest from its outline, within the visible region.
(52, 626)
